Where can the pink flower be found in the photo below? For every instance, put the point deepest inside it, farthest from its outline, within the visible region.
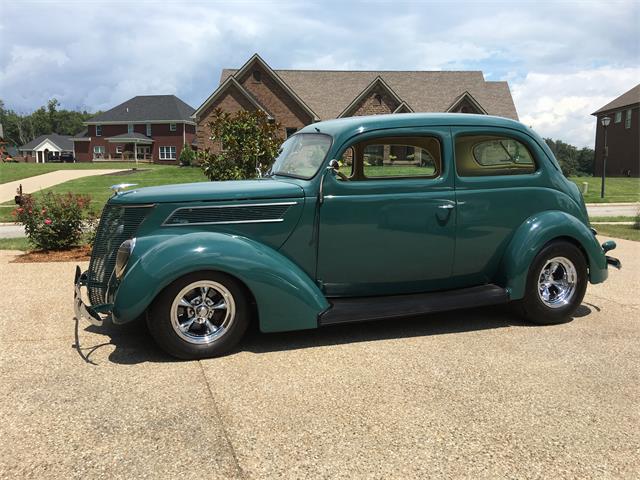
(43, 211)
(47, 221)
(20, 210)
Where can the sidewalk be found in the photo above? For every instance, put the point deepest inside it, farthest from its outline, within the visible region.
(613, 209)
(46, 180)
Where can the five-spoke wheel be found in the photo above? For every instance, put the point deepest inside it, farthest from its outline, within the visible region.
(203, 314)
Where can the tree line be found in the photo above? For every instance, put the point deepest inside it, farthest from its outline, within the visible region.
(573, 161)
(50, 118)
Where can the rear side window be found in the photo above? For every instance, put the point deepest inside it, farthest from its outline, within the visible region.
(485, 155)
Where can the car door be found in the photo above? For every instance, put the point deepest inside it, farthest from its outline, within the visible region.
(389, 227)
(499, 184)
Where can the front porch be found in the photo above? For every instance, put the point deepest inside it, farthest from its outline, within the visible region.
(130, 147)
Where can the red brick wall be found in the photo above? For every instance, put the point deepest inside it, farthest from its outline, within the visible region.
(82, 151)
(377, 102)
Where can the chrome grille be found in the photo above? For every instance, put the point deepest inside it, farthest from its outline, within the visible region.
(268, 212)
(117, 224)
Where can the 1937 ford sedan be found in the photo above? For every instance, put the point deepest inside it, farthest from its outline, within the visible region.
(360, 218)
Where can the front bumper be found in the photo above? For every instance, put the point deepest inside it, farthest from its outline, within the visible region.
(93, 313)
(614, 262)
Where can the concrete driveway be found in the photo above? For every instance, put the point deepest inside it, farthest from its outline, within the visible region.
(470, 394)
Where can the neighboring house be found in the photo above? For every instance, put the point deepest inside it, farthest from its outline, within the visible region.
(623, 135)
(47, 148)
(295, 98)
(150, 128)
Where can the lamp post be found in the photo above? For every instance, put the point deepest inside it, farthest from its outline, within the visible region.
(605, 121)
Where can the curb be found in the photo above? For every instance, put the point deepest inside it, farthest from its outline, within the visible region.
(628, 204)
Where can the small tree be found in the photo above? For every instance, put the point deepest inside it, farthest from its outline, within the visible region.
(247, 143)
(187, 156)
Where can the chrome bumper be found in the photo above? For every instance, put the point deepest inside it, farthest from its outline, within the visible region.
(92, 314)
(614, 262)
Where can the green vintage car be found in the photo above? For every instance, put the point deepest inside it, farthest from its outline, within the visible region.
(360, 218)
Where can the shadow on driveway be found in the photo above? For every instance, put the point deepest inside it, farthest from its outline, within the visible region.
(133, 344)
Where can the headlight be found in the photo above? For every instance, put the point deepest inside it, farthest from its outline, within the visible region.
(122, 257)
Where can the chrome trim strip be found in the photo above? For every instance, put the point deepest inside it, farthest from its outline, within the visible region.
(229, 222)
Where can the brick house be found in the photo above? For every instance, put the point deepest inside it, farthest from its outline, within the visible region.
(295, 98)
(48, 148)
(150, 128)
(623, 135)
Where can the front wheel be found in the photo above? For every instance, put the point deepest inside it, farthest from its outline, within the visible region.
(203, 314)
(556, 284)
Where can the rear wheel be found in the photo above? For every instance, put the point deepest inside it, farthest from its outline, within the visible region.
(203, 314)
(556, 284)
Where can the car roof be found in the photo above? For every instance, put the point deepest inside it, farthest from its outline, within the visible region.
(375, 122)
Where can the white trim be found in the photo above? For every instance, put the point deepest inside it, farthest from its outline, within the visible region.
(137, 122)
(367, 90)
(98, 125)
(175, 152)
(175, 127)
(403, 104)
(46, 139)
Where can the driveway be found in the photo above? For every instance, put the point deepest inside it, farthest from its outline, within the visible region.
(46, 180)
(613, 209)
(469, 394)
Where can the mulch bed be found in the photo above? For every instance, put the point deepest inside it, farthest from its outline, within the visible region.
(78, 254)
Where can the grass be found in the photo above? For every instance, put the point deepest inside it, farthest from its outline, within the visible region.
(10, 172)
(21, 243)
(612, 219)
(628, 232)
(617, 189)
(98, 186)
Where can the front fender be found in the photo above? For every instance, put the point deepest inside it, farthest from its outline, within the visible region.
(535, 233)
(286, 298)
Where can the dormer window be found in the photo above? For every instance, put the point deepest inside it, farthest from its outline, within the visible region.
(257, 76)
(172, 127)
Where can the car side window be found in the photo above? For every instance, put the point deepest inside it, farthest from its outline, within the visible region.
(393, 157)
(486, 155)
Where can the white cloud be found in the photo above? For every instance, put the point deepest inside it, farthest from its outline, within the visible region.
(560, 105)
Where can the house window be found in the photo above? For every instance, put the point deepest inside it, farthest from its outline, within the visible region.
(148, 129)
(257, 76)
(98, 151)
(167, 153)
(290, 131)
(98, 130)
(130, 128)
(627, 120)
(172, 127)
(618, 117)
(119, 149)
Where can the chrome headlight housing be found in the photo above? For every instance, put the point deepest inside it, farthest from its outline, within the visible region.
(122, 257)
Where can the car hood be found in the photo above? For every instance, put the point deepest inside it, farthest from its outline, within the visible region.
(211, 191)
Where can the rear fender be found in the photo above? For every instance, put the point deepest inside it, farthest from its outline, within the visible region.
(286, 298)
(534, 234)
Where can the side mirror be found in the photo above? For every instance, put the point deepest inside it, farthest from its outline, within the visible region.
(334, 165)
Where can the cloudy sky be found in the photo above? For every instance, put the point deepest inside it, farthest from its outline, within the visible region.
(563, 60)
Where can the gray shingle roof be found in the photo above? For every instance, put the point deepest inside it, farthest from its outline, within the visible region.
(328, 92)
(144, 108)
(628, 98)
(63, 142)
(130, 136)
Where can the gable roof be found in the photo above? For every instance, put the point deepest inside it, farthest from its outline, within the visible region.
(63, 142)
(628, 98)
(469, 98)
(378, 81)
(255, 59)
(147, 108)
(329, 92)
(229, 82)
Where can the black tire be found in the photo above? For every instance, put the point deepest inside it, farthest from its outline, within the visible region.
(532, 307)
(160, 318)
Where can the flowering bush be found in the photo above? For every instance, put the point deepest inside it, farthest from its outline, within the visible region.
(54, 221)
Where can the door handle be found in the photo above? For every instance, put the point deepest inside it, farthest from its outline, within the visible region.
(447, 206)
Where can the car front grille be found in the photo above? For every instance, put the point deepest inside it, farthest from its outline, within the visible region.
(117, 224)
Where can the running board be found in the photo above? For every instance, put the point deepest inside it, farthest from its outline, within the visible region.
(347, 310)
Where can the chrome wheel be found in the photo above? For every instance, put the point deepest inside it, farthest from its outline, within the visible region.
(557, 282)
(202, 312)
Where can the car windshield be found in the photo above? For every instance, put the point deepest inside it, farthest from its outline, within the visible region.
(301, 155)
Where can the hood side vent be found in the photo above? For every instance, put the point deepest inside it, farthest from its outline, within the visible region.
(227, 214)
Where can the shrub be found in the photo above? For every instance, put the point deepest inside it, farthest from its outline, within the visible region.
(187, 156)
(54, 221)
(636, 225)
(247, 143)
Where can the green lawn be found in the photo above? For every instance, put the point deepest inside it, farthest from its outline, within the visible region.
(10, 172)
(616, 189)
(98, 186)
(15, 244)
(628, 232)
(612, 219)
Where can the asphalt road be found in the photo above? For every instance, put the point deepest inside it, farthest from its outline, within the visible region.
(471, 394)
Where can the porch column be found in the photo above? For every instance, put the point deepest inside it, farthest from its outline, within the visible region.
(135, 152)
